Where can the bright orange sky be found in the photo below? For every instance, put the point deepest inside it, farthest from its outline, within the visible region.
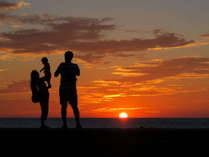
(147, 58)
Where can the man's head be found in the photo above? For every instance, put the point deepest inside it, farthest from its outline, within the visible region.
(68, 56)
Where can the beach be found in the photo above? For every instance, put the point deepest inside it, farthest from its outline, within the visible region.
(109, 142)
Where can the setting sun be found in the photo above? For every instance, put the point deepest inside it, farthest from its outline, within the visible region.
(123, 115)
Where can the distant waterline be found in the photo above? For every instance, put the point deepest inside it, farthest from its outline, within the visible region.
(109, 123)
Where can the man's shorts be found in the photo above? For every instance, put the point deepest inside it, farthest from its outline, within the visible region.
(68, 95)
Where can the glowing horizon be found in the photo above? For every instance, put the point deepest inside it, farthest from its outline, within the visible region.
(144, 58)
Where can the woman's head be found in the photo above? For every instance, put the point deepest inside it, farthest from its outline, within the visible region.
(34, 77)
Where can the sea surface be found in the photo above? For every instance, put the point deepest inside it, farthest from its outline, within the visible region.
(109, 123)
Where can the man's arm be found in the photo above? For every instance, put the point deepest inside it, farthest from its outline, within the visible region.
(77, 70)
(57, 72)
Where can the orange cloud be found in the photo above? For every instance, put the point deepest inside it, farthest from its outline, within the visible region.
(159, 78)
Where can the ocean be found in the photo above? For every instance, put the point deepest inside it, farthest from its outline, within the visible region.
(178, 123)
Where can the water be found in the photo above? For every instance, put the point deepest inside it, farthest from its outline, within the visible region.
(110, 123)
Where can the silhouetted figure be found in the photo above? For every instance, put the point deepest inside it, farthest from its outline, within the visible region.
(46, 70)
(40, 94)
(67, 90)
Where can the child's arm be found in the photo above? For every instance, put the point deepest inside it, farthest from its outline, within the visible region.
(42, 69)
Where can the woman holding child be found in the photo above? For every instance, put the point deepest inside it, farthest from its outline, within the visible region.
(40, 94)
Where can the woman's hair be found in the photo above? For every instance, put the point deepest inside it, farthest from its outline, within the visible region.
(34, 79)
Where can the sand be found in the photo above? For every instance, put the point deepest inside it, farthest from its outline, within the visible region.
(109, 142)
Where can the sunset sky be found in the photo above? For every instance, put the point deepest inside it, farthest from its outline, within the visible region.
(148, 58)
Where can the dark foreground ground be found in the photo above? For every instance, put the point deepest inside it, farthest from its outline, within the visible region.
(107, 142)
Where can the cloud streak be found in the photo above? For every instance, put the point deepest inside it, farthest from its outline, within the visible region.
(58, 36)
(173, 68)
(52, 34)
(164, 40)
(1, 70)
(117, 109)
(6, 5)
(83, 35)
(16, 87)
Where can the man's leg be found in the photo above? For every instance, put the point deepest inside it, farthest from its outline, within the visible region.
(77, 116)
(64, 114)
(74, 104)
(63, 102)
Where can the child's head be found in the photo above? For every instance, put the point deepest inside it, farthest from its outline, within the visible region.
(44, 60)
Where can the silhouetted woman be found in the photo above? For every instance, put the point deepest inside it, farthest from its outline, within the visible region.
(40, 94)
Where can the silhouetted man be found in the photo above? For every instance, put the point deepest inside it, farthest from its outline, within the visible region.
(67, 90)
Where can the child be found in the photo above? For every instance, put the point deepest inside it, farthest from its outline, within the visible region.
(46, 70)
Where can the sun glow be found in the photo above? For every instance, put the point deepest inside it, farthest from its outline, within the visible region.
(123, 115)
